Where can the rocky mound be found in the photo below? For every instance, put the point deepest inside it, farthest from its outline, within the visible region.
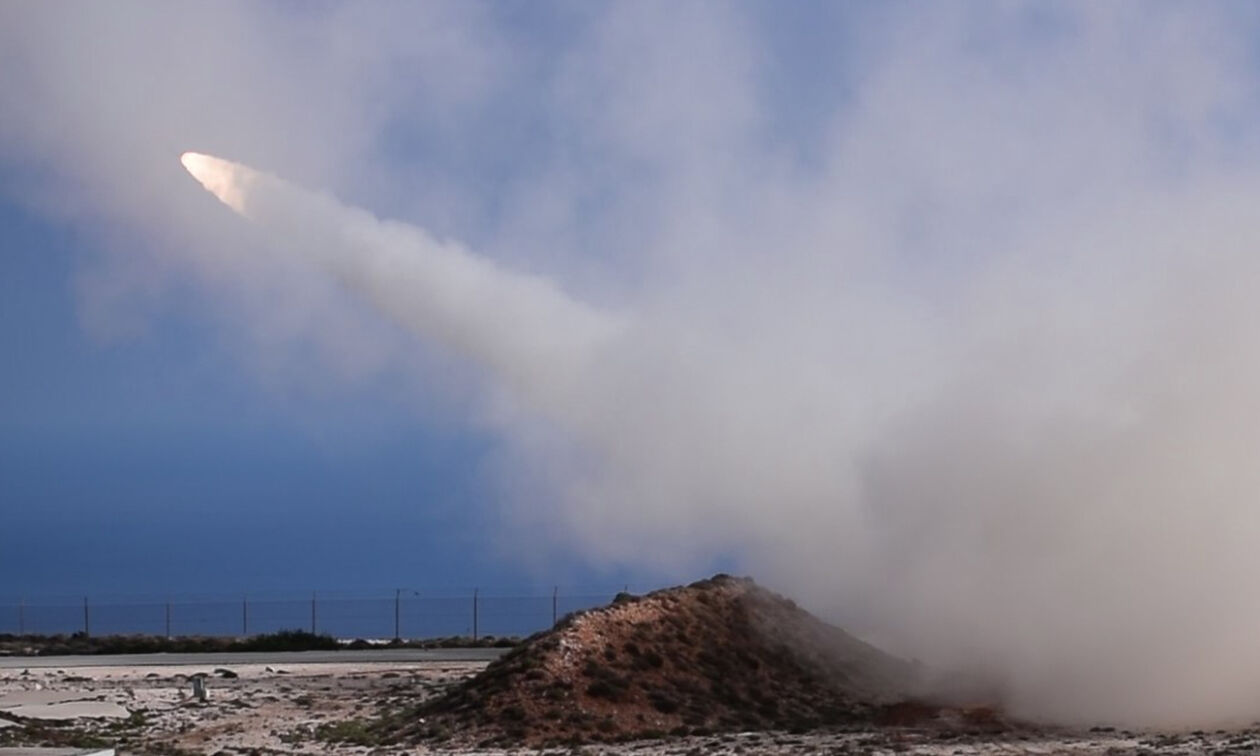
(720, 654)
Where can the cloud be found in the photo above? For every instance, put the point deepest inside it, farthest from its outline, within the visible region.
(962, 357)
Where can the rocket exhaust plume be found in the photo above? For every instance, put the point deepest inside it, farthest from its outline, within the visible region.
(521, 326)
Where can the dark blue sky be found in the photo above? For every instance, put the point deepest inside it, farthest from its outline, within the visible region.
(157, 465)
(151, 465)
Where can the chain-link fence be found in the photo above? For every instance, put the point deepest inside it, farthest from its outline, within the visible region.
(402, 613)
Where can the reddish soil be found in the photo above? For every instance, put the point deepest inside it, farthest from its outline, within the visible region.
(719, 655)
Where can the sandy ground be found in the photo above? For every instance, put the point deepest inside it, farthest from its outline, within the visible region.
(305, 708)
(249, 708)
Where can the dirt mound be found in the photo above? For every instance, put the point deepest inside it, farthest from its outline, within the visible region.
(720, 654)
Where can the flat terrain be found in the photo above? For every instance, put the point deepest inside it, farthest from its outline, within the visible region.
(320, 708)
(290, 705)
(365, 656)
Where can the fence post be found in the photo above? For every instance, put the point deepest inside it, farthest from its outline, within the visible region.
(168, 619)
(312, 612)
(555, 591)
(22, 616)
(474, 615)
(87, 626)
(397, 603)
(245, 615)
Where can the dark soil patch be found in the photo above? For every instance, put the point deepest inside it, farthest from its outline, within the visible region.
(719, 655)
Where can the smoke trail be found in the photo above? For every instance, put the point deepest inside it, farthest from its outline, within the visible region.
(529, 332)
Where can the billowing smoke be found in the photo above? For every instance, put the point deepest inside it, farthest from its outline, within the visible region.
(941, 320)
(1048, 491)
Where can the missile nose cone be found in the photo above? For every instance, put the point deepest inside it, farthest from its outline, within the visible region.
(203, 167)
(191, 160)
(224, 179)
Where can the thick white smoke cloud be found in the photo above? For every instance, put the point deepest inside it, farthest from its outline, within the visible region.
(1058, 498)
(965, 359)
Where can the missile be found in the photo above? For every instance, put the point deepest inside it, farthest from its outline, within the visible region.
(227, 181)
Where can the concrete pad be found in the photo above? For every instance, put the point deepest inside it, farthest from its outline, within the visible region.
(56, 752)
(70, 710)
(33, 697)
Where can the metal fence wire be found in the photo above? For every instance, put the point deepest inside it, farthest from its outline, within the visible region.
(402, 613)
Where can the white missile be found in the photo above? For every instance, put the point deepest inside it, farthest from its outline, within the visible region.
(225, 180)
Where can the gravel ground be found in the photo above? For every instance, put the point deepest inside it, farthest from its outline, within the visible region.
(249, 708)
(314, 708)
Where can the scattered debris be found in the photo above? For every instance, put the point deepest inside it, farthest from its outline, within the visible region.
(153, 714)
